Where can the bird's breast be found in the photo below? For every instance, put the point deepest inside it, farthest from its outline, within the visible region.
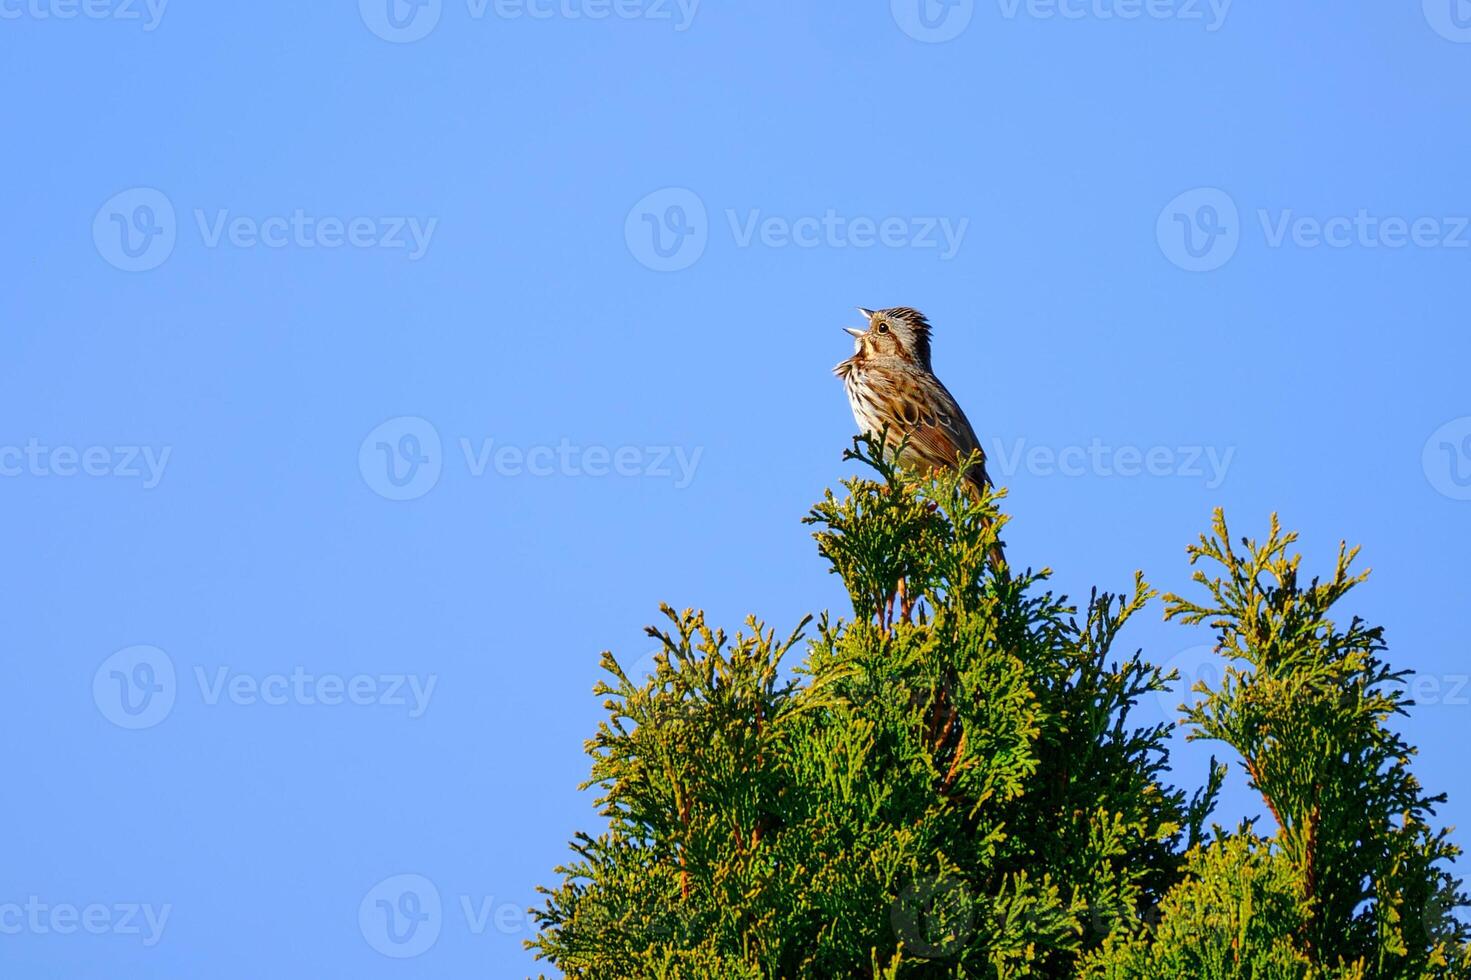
(863, 400)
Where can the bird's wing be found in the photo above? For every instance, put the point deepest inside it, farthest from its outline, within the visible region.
(943, 434)
(939, 433)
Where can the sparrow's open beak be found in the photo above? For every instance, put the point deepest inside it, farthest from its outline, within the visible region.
(867, 314)
(855, 331)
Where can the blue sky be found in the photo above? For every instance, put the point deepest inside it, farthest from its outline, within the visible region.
(368, 370)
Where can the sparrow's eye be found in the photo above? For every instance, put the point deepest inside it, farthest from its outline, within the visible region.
(883, 328)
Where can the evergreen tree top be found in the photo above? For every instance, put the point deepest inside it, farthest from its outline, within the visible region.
(952, 783)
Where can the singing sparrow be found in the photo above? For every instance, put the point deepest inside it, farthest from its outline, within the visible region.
(890, 383)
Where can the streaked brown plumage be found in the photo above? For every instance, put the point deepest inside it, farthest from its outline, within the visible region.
(890, 383)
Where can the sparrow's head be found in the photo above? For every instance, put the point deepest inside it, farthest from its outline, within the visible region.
(899, 332)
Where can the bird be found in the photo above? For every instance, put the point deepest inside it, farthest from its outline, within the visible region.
(892, 387)
(894, 394)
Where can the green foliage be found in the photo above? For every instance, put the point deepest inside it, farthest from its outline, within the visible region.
(1233, 917)
(950, 784)
(1355, 882)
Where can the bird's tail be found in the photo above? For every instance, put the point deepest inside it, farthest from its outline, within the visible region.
(979, 484)
(997, 555)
